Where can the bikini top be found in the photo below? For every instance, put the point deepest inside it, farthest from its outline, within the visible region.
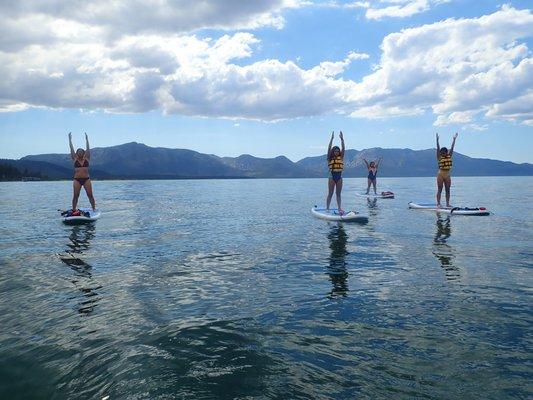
(78, 165)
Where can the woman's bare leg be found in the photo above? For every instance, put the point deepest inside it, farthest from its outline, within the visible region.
(89, 190)
(331, 186)
(338, 190)
(440, 182)
(447, 186)
(369, 182)
(374, 184)
(76, 194)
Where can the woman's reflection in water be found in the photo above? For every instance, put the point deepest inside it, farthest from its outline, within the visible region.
(80, 238)
(372, 203)
(442, 250)
(337, 261)
(372, 206)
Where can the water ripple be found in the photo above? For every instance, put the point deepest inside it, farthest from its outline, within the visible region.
(230, 289)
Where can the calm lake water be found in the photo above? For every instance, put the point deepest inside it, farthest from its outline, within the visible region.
(231, 289)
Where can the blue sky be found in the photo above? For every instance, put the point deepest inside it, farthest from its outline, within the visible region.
(268, 77)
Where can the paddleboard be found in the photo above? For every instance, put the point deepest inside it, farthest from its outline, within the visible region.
(333, 215)
(450, 210)
(87, 215)
(382, 195)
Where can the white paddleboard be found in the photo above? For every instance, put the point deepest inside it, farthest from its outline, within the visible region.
(450, 210)
(86, 215)
(382, 195)
(333, 215)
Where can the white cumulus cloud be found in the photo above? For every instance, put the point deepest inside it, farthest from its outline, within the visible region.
(460, 70)
(380, 9)
(456, 68)
(27, 21)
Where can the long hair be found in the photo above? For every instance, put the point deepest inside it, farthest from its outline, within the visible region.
(330, 155)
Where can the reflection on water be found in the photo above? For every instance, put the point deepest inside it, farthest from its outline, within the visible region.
(372, 205)
(337, 261)
(211, 291)
(442, 250)
(80, 238)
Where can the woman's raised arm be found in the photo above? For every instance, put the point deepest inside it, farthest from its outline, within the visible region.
(342, 144)
(453, 143)
(330, 143)
(87, 149)
(72, 152)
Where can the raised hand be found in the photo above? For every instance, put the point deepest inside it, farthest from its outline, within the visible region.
(340, 135)
(437, 136)
(455, 136)
(71, 146)
(332, 135)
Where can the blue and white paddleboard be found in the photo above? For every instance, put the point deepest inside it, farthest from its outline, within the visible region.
(86, 215)
(450, 210)
(333, 215)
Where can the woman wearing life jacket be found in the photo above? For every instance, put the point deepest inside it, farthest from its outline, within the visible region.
(335, 165)
(372, 173)
(444, 158)
(81, 172)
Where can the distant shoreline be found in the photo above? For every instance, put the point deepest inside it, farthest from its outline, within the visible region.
(254, 178)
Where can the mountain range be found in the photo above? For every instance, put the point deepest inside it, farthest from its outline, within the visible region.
(138, 161)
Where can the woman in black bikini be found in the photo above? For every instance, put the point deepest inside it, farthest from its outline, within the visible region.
(81, 172)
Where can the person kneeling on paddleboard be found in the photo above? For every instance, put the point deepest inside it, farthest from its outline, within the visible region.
(372, 173)
(336, 165)
(444, 158)
(81, 173)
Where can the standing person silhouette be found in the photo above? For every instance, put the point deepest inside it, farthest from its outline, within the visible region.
(372, 173)
(335, 165)
(81, 173)
(444, 158)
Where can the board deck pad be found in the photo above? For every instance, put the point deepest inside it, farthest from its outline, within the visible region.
(382, 195)
(333, 215)
(449, 210)
(87, 215)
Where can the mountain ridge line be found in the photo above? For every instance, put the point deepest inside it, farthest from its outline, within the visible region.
(135, 160)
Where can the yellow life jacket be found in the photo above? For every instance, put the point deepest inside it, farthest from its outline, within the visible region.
(445, 163)
(336, 164)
